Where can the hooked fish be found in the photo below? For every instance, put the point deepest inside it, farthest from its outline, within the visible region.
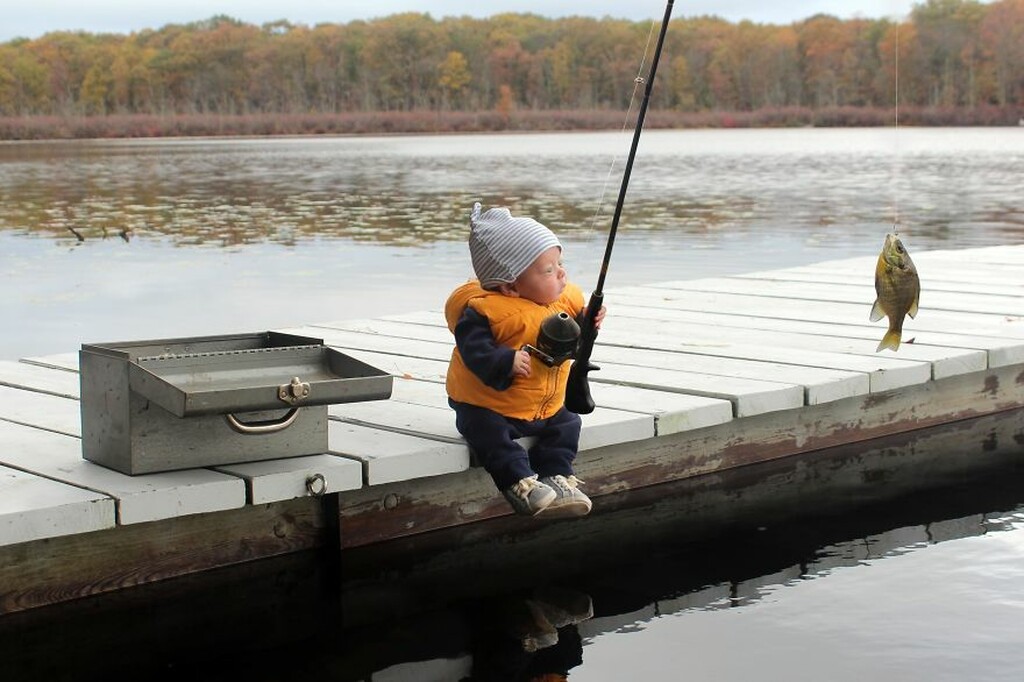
(898, 290)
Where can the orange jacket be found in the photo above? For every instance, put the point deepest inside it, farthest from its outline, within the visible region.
(514, 322)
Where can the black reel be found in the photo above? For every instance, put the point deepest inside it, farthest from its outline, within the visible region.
(557, 340)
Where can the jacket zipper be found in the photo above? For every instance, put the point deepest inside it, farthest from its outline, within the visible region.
(552, 374)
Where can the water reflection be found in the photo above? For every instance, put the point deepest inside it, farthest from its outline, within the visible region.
(287, 229)
(409, 191)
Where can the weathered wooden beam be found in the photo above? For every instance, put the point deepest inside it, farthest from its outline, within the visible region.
(59, 569)
(408, 508)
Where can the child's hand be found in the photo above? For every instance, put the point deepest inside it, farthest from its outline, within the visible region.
(521, 364)
(599, 318)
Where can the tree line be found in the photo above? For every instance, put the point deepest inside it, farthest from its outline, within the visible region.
(950, 53)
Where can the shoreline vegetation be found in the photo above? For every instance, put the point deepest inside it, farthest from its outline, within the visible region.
(383, 123)
(948, 63)
(133, 126)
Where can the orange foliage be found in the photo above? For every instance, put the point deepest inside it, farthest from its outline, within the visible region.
(952, 53)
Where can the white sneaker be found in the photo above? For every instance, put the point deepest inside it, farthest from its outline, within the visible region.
(529, 496)
(570, 501)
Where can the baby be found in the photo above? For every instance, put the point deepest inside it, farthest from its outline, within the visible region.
(499, 392)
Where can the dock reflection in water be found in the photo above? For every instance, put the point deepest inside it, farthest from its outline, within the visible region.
(590, 597)
(715, 542)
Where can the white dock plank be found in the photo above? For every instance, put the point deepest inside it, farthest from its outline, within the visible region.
(42, 410)
(35, 378)
(629, 298)
(34, 508)
(430, 393)
(605, 426)
(672, 412)
(991, 304)
(1001, 351)
(387, 457)
(1006, 254)
(748, 396)
(389, 345)
(425, 318)
(139, 498)
(930, 265)
(804, 308)
(820, 385)
(387, 327)
(408, 418)
(285, 479)
(885, 373)
(837, 353)
(65, 361)
(864, 281)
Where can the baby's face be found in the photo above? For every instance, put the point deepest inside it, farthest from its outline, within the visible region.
(544, 280)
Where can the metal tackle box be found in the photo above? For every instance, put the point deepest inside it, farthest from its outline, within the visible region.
(161, 405)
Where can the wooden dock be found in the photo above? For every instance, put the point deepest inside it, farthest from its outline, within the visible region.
(697, 377)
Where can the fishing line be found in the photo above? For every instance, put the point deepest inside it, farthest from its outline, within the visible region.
(577, 390)
(896, 134)
(638, 82)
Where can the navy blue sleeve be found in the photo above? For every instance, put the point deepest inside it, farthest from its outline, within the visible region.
(491, 363)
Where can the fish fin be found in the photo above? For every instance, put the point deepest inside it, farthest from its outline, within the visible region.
(913, 308)
(891, 340)
(876, 311)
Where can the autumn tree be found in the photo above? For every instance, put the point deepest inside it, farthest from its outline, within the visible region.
(942, 33)
(453, 77)
(1001, 34)
(23, 82)
(840, 60)
(401, 57)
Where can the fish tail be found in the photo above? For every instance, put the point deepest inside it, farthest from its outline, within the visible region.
(891, 340)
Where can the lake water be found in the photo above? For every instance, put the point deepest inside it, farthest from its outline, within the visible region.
(913, 569)
(116, 240)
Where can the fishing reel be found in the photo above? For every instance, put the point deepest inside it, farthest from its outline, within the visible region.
(557, 340)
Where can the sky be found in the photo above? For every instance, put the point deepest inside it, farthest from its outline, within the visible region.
(33, 18)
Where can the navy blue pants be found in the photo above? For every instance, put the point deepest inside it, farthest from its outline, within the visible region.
(492, 437)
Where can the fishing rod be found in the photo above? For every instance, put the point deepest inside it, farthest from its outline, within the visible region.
(577, 391)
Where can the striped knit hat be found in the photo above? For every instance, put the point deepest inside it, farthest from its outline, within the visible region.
(502, 246)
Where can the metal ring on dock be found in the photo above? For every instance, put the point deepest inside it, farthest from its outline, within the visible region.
(313, 488)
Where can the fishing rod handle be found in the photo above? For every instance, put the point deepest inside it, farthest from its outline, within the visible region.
(577, 390)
